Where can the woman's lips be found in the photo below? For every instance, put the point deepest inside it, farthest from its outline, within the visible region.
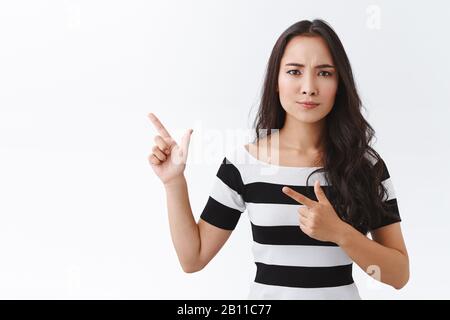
(307, 104)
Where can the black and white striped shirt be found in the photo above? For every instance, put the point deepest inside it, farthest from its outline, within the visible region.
(289, 263)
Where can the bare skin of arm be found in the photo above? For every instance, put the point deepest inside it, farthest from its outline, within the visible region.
(385, 257)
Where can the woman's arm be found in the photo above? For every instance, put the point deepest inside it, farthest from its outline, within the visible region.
(386, 252)
(183, 228)
(195, 244)
(385, 257)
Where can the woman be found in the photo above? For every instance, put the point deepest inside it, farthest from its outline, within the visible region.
(306, 236)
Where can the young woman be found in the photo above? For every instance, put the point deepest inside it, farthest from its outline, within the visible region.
(306, 235)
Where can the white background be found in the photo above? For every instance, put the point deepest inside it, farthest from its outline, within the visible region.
(82, 215)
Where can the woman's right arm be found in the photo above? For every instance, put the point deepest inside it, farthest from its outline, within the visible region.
(195, 244)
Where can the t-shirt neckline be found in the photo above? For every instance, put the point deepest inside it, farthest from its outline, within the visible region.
(273, 165)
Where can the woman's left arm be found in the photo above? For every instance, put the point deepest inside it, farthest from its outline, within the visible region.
(386, 254)
(385, 257)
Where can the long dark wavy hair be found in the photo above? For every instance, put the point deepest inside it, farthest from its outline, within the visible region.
(357, 192)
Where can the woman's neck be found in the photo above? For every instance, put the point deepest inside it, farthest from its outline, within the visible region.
(302, 137)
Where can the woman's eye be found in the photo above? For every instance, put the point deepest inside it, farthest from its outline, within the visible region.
(327, 73)
(321, 73)
(292, 70)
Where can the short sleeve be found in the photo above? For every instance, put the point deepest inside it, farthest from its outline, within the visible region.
(391, 214)
(225, 202)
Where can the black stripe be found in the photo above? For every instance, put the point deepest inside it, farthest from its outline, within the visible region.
(285, 235)
(264, 192)
(391, 215)
(392, 206)
(303, 277)
(220, 215)
(385, 172)
(231, 176)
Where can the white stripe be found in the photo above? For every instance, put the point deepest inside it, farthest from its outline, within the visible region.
(300, 255)
(227, 196)
(254, 170)
(280, 175)
(259, 291)
(273, 214)
(390, 189)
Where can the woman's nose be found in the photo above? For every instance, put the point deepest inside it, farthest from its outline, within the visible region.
(308, 86)
(309, 92)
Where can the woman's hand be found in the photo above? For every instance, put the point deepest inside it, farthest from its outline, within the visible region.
(318, 219)
(168, 159)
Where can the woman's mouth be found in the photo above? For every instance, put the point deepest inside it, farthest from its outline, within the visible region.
(307, 104)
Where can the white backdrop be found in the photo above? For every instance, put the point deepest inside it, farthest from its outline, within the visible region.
(82, 215)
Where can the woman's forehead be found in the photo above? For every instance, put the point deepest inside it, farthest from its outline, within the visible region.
(304, 49)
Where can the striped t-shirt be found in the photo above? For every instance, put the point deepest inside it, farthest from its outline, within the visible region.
(289, 263)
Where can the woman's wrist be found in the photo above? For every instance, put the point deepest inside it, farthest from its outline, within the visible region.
(345, 234)
(175, 181)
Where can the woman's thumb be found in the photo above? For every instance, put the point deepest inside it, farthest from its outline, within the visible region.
(186, 139)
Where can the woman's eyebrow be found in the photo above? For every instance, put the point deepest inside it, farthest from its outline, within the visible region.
(325, 65)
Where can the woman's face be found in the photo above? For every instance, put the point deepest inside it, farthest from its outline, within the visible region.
(307, 73)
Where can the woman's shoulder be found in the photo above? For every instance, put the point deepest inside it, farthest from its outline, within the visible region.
(258, 148)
